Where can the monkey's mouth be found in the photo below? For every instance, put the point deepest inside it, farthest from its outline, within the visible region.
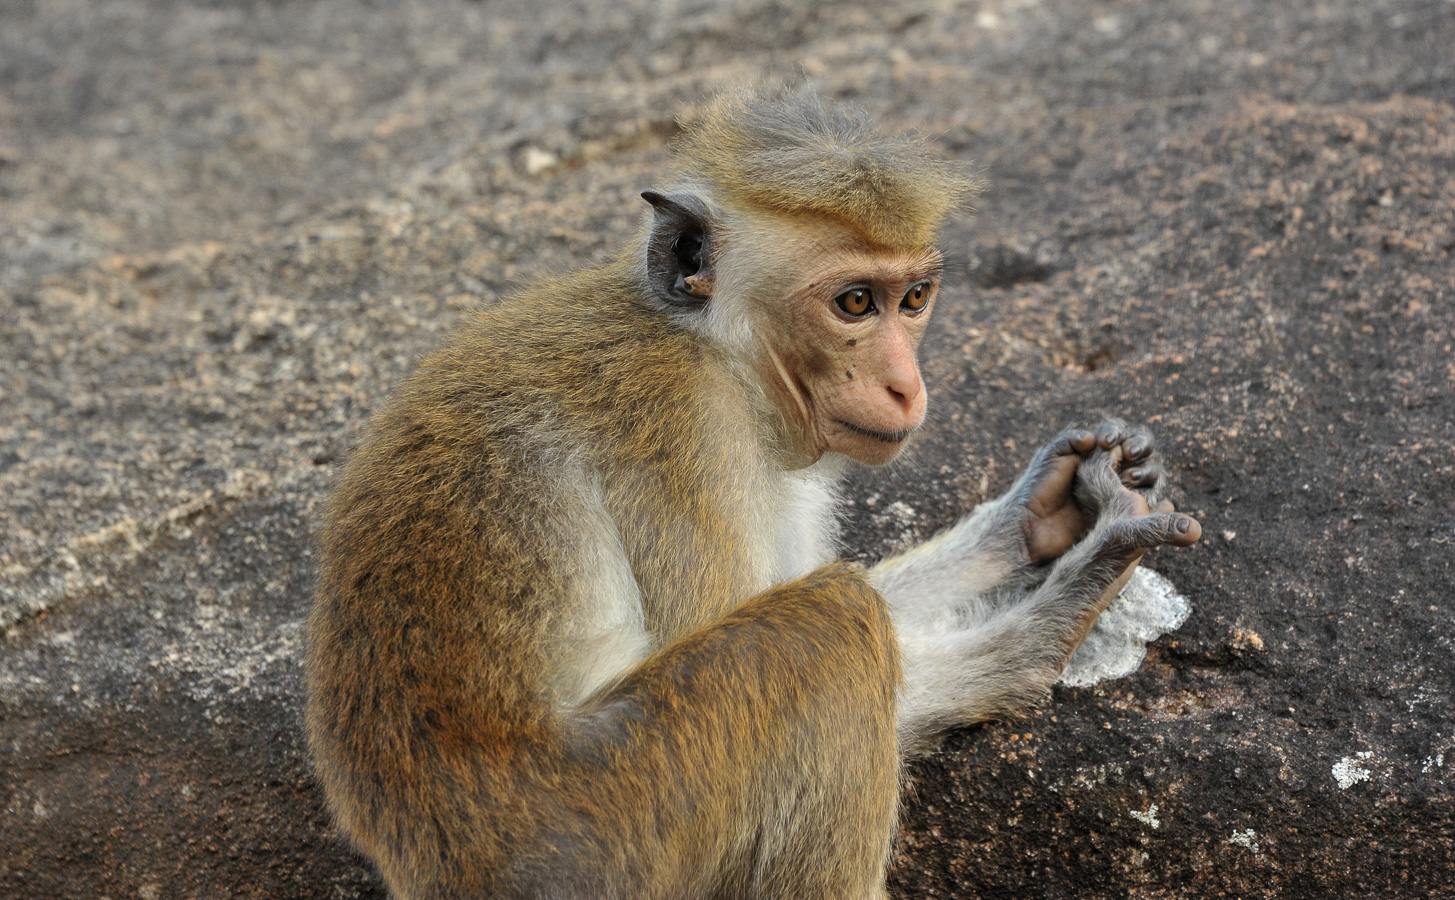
(888, 437)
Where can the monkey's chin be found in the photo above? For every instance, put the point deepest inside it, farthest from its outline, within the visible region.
(867, 445)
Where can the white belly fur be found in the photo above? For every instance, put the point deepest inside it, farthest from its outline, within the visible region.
(606, 634)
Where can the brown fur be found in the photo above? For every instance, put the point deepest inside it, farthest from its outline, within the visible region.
(430, 713)
(545, 659)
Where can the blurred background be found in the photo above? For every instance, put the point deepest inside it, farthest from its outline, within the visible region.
(226, 229)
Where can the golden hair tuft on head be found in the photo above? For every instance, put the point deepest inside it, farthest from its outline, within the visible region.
(786, 151)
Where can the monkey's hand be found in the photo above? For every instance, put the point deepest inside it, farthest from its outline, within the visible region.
(1055, 511)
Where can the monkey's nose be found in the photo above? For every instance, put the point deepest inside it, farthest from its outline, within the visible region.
(906, 391)
(900, 375)
(903, 396)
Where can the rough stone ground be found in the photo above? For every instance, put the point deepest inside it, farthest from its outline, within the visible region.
(227, 228)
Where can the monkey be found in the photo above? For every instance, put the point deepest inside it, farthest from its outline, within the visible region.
(579, 628)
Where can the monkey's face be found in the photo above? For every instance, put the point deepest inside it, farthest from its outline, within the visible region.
(841, 348)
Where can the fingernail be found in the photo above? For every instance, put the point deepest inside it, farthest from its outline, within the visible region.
(1182, 525)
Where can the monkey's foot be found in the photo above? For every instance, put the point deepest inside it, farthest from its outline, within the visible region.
(1134, 456)
(1058, 511)
(1118, 483)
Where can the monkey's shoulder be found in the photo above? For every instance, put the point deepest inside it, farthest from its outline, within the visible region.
(556, 379)
(598, 366)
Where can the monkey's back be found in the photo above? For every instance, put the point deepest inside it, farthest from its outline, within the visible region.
(445, 561)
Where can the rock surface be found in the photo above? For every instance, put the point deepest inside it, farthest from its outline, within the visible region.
(226, 229)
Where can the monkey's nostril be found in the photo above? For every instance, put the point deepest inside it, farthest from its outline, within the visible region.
(902, 395)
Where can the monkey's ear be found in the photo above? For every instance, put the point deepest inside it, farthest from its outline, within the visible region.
(679, 249)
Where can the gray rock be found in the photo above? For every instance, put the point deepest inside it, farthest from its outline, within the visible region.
(226, 230)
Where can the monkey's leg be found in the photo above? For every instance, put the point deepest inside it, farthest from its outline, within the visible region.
(754, 758)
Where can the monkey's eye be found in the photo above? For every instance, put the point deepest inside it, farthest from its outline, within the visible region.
(915, 299)
(856, 302)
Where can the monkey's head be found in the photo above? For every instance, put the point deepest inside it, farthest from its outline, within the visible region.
(804, 244)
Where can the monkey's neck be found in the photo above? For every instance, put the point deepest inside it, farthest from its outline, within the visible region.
(779, 413)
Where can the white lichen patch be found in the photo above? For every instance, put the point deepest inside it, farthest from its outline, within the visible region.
(538, 160)
(1348, 771)
(1147, 608)
(902, 511)
(1247, 839)
(1148, 818)
(1093, 777)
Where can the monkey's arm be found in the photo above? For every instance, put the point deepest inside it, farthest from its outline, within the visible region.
(1003, 545)
(979, 647)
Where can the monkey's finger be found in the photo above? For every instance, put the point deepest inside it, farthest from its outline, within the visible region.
(1145, 532)
(1072, 441)
(1136, 478)
(1069, 445)
(1052, 471)
(1142, 476)
(1165, 507)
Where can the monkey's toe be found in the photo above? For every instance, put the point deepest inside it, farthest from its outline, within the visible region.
(1134, 452)
(1138, 445)
(1142, 478)
(1135, 534)
(1110, 433)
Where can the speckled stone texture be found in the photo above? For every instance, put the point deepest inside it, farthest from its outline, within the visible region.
(227, 228)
